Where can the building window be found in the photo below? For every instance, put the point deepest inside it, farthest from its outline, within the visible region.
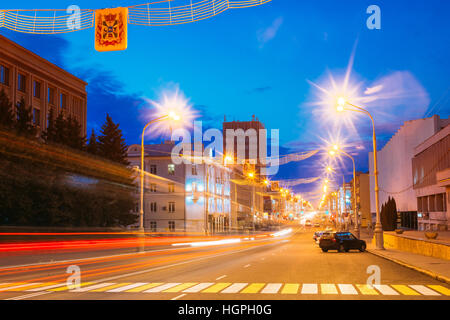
(171, 187)
(63, 100)
(51, 95)
(171, 207)
(4, 75)
(194, 170)
(153, 226)
(153, 207)
(171, 225)
(36, 89)
(36, 117)
(153, 168)
(21, 82)
(152, 187)
(171, 169)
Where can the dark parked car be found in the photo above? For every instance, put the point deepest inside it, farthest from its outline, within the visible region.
(318, 234)
(341, 241)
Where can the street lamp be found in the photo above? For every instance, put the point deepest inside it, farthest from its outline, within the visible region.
(341, 102)
(333, 152)
(172, 115)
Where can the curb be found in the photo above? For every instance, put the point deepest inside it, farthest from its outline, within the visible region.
(431, 274)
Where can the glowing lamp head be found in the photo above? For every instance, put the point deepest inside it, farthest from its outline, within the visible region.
(329, 169)
(172, 115)
(266, 182)
(251, 175)
(340, 104)
(332, 152)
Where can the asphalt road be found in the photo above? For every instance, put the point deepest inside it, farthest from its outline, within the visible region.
(286, 267)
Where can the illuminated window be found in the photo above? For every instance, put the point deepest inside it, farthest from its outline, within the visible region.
(36, 117)
(153, 207)
(171, 207)
(152, 187)
(153, 168)
(171, 169)
(171, 225)
(153, 226)
(63, 101)
(171, 187)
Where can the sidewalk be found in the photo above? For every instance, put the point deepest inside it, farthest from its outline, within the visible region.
(438, 269)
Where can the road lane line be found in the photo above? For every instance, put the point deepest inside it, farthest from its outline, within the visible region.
(110, 287)
(145, 287)
(127, 287)
(272, 288)
(440, 289)
(290, 288)
(309, 288)
(234, 288)
(405, 290)
(247, 265)
(221, 277)
(10, 284)
(366, 290)
(50, 286)
(40, 285)
(253, 288)
(95, 286)
(178, 297)
(347, 289)
(217, 287)
(424, 290)
(71, 287)
(385, 290)
(162, 287)
(30, 295)
(199, 287)
(19, 287)
(326, 288)
(181, 287)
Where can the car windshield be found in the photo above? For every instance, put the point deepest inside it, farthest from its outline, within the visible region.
(345, 236)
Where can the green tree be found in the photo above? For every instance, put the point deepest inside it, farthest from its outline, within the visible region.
(6, 112)
(24, 124)
(74, 137)
(92, 146)
(111, 144)
(50, 134)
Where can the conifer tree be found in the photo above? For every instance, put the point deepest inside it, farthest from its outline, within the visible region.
(24, 124)
(6, 112)
(111, 144)
(92, 146)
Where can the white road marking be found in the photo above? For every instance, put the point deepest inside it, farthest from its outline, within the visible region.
(309, 288)
(199, 287)
(47, 287)
(424, 290)
(162, 287)
(272, 288)
(18, 286)
(221, 277)
(385, 289)
(93, 287)
(234, 288)
(347, 289)
(247, 265)
(178, 297)
(31, 295)
(127, 287)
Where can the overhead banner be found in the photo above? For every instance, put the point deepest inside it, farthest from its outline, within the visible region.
(111, 29)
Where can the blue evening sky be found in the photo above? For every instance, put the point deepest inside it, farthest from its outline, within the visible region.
(259, 60)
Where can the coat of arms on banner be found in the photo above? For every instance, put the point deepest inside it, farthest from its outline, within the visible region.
(111, 29)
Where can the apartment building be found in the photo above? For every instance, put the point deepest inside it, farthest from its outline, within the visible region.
(42, 85)
(182, 197)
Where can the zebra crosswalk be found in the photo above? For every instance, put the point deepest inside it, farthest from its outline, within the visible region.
(233, 288)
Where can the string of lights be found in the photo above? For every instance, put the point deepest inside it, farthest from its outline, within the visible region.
(159, 13)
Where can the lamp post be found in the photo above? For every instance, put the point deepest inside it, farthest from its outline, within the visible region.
(333, 152)
(172, 116)
(378, 228)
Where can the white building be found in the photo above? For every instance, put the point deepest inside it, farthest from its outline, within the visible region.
(395, 169)
(185, 197)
